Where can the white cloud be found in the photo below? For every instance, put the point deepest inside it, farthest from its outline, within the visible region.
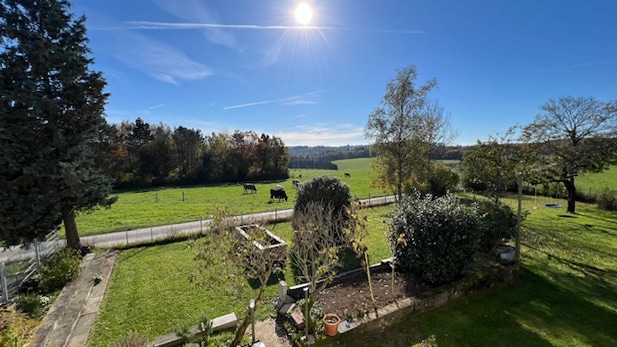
(158, 60)
(195, 11)
(323, 135)
(304, 99)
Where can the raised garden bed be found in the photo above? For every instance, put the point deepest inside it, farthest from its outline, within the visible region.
(268, 243)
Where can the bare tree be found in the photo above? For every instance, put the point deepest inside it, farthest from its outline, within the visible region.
(222, 245)
(573, 136)
(315, 249)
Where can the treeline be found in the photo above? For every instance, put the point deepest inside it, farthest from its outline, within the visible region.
(321, 157)
(137, 154)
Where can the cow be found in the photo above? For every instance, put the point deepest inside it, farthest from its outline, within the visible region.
(250, 187)
(295, 184)
(277, 193)
(347, 174)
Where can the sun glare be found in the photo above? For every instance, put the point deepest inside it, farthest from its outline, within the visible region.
(304, 13)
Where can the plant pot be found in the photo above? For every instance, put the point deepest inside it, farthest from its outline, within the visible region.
(331, 322)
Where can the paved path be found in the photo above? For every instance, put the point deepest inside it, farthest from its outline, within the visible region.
(72, 315)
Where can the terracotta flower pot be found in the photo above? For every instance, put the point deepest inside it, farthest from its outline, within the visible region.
(331, 322)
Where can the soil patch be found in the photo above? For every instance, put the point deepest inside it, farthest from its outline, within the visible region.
(353, 294)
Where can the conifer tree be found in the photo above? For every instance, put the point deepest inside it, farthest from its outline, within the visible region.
(51, 109)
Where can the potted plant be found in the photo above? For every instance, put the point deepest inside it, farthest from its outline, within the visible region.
(331, 322)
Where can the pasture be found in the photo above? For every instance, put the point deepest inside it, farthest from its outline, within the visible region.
(143, 208)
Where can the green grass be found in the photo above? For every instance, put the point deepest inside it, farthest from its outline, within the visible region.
(566, 295)
(142, 208)
(150, 291)
(597, 182)
(136, 209)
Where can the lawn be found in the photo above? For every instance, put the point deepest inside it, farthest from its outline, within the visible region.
(143, 208)
(151, 290)
(565, 296)
(595, 183)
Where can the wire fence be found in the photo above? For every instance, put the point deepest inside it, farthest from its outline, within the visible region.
(138, 236)
(18, 264)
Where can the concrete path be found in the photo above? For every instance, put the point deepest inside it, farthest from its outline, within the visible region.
(71, 317)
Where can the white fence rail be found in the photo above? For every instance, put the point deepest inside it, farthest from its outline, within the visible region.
(18, 264)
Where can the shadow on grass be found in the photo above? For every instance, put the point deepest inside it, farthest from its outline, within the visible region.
(592, 216)
(532, 312)
(272, 280)
(567, 216)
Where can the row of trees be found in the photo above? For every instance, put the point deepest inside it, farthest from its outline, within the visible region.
(140, 154)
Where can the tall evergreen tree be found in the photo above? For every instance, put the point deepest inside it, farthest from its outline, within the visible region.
(51, 107)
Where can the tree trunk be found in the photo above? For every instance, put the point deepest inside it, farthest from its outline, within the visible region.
(571, 188)
(70, 229)
(247, 319)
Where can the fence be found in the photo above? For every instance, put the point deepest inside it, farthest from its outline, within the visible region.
(18, 264)
(137, 236)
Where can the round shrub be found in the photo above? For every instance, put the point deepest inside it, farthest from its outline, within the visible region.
(60, 270)
(434, 239)
(497, 224)
(442, 180)
(324, 191)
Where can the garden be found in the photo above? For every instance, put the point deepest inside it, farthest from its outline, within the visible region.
(169, 277)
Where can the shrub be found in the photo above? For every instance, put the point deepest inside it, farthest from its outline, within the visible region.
(497, 224)
(133, 339)
(443, 179)
(15, 327)
(61, 269)
(607, 200)
(325, 191)
(434, 239)
(33, 305)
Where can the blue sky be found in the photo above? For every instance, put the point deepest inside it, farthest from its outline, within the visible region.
(225, 65)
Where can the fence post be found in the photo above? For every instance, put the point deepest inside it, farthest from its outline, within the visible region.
(5, 289)
(201, 225)
(276, 214)
(37, 253)
(151, 233)
(126, 230)
(369, 199)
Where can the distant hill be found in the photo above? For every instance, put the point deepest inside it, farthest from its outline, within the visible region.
(321, 157)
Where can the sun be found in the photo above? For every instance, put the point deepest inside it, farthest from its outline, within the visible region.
(304, 13)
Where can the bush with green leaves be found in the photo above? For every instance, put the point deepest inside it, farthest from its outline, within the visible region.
(497, 225)
(325, 191)
(33, 305)
(60, 270)
(607, 200)
(434, 238)
(442, 180)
